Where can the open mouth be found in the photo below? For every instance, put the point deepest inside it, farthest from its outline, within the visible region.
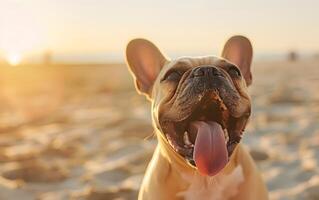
(202, 137)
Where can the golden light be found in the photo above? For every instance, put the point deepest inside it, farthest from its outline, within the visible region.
(14, 59)
(22, 32)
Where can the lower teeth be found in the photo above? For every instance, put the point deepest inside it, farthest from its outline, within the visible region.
(186, 140)
(226, 136)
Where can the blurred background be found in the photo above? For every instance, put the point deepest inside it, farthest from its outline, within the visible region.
(73, 127)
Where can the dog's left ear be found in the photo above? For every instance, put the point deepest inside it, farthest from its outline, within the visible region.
(239, 51)
(145, 61)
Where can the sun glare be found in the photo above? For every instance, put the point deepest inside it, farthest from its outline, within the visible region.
(14, 59)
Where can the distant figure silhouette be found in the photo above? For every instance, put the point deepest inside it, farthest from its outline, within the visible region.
(47, 58)
(292, 56)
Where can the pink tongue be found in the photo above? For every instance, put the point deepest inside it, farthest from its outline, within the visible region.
(210, 152)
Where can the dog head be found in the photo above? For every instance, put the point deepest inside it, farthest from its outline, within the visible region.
(200, 105)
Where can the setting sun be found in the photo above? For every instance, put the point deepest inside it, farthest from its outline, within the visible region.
(14, 59)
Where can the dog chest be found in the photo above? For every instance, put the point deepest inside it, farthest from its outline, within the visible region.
(220, 187)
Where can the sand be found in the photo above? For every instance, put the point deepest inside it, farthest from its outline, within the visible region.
(81, 132)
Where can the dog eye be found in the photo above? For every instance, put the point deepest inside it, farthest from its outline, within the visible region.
(172, 75)
(234, 71)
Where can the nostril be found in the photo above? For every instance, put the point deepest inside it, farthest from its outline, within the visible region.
(199, 72)
(216, 72)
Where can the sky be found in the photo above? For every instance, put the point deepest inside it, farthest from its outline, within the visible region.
(177, 27)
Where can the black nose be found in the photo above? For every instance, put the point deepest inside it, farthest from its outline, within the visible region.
(206, 71)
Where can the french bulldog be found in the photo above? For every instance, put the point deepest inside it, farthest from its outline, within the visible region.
(200, 108)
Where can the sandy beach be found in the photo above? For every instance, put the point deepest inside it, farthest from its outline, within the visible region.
(82, 132)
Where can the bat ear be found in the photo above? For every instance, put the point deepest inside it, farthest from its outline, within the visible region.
(239, 51)
(145, 61)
